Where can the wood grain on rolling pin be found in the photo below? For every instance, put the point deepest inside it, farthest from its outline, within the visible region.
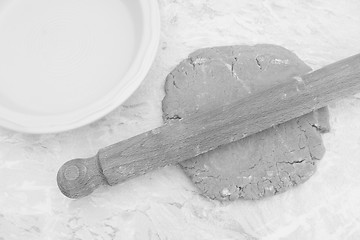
(205, 131)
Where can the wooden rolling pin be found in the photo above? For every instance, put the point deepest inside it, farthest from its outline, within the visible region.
(205, 131)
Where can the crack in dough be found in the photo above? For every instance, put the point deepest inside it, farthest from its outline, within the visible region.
(260, 165)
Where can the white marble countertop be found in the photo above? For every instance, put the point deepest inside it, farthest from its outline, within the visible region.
(164, 204)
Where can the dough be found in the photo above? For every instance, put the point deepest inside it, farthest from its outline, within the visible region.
(262, 164)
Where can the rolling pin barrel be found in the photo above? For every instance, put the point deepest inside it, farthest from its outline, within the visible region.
(205, 131)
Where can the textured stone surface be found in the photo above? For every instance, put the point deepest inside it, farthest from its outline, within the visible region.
(260, 165)
(165, 204)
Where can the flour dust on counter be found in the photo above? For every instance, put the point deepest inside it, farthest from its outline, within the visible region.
(262, 164)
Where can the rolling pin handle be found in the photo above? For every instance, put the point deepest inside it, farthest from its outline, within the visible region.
(80, 177)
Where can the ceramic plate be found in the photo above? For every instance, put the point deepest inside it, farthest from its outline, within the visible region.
(66, 63)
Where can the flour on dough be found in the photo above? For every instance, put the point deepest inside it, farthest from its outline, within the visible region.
(260, 165)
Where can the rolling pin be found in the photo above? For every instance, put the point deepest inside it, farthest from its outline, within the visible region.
(204, 131)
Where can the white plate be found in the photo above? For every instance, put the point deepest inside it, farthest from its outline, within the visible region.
(66, 63)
